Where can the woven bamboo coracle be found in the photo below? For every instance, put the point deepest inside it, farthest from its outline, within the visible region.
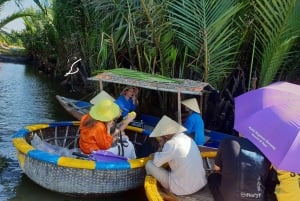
(68, 174)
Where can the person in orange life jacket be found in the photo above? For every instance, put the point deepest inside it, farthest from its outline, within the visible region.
(194, 122)
(96, 131)
(127, 100)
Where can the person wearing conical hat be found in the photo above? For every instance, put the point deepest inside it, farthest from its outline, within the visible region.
(186, 174)
(194, 122)
(127, 100)
(97, 133)
(102, 95)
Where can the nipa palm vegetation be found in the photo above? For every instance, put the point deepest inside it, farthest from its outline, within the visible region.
(235, 45)
(5, 36)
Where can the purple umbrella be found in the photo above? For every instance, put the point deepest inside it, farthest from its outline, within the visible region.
(270, 118)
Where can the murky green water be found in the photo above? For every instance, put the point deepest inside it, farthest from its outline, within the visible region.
(27, 97)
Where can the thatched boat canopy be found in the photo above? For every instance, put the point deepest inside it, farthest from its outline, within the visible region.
(152, 81)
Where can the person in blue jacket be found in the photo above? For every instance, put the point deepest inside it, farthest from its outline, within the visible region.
(194, 122)
(127, 100)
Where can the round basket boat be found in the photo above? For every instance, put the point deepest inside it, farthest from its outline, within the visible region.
(70, 175)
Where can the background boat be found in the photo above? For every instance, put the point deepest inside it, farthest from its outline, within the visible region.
(77, 108)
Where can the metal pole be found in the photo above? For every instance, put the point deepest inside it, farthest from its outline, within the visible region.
(179, 105)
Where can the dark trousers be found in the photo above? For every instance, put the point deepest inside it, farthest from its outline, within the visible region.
(214, 183)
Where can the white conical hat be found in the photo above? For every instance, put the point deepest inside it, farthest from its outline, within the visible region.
(166, 126)
(191, 104)
(100, 96)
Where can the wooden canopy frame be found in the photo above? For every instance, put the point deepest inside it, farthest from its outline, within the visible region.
(153, 82)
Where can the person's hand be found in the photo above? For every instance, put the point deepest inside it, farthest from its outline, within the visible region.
(161, 142)
(136, 91)
(130, 117)
(109, 125)
(116, 133)
(135, 100)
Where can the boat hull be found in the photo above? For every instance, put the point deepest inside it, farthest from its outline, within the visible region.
(72, 175)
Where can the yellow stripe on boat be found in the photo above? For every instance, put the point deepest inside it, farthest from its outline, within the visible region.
(151, 190)
(209, 154)
(36, 127)
(21, 159)
(136, 163)
(76, 163)
(136, 129)
(22, 145)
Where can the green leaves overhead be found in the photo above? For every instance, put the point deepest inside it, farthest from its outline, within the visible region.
(278, 27)
(207, 28)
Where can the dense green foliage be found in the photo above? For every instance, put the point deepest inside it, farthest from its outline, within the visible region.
(235, 45)
(199, 39)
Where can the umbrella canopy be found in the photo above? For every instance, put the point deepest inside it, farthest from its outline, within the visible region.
(270, 118)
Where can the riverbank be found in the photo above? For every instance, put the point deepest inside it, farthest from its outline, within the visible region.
(13, 55)
(13, 59)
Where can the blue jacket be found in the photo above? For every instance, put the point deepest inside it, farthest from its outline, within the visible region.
(194, 124)
(125, 105)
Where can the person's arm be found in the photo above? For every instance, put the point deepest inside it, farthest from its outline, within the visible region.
(161, 143)
(218, 158)
(130, 117)
(188, 124)
(167, 153)
(135, 100)
(217, 168)
(102, 137)
(132, 104)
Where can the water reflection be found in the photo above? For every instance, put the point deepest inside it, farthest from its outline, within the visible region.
(27, 97)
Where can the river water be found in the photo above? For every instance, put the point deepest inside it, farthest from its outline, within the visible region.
(27, 97)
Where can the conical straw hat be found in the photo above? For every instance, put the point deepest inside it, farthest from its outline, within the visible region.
(167, 126)
(102, 95)
(191, 104)
(105, 110)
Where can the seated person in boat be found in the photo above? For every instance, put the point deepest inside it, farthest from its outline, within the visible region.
(127, 100)
(180, 152)
(241, 171)
(97, 133)
(286, 185)
(194, 122)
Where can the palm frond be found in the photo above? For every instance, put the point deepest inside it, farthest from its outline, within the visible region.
(207, 28)
(15, 16)
(277, 29)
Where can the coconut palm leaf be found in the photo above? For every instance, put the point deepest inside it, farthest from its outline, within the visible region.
(208, 29)
(2, 2)
(277, 30)
(142, 76)
(15, 16)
